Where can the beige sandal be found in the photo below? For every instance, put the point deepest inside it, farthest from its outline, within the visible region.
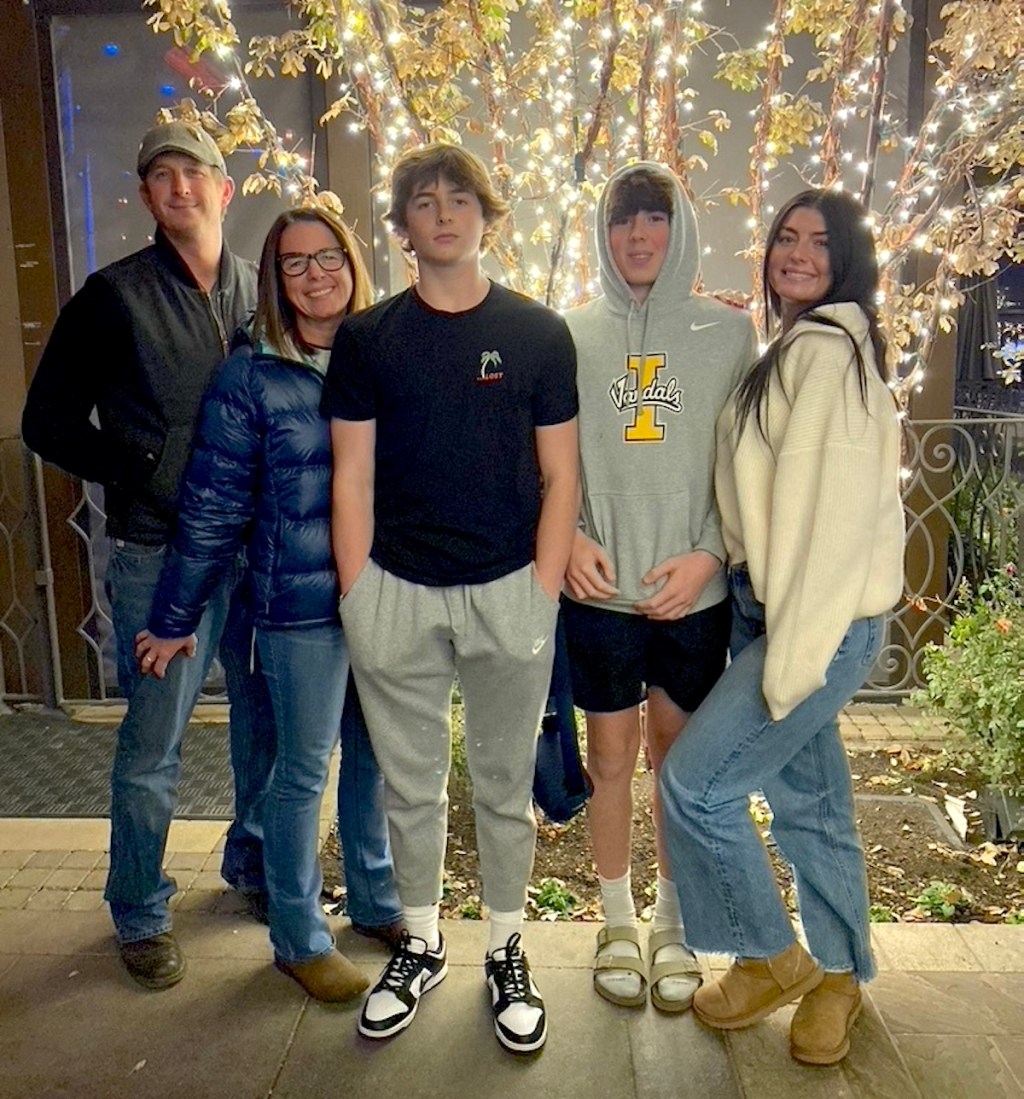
(605, 963)
(677, 967)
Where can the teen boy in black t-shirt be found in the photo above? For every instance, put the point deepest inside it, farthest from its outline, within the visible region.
(453, 410)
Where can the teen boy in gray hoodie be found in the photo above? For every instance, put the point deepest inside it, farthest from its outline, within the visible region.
(648, 613)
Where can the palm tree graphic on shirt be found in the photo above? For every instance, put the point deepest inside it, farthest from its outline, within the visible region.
(489, 359)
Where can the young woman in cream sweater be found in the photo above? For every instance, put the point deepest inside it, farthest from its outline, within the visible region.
(807, 481)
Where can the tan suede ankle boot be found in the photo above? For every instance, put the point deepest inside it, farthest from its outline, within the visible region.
(820, 1031)
(331, 978)
(755, 987)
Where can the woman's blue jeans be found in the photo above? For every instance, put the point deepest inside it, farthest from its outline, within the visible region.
(306, 671)
(731, 748)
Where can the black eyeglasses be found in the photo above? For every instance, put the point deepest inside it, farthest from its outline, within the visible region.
(294, 264)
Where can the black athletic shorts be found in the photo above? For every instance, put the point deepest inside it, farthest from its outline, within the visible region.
(615, 657)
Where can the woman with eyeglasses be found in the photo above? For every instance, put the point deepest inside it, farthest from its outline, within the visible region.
(260, 476)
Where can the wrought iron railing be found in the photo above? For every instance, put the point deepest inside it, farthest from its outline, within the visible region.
(20, 635)
(95, 628)
(965, 517)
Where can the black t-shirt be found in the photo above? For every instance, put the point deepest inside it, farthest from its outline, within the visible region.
(456, 397)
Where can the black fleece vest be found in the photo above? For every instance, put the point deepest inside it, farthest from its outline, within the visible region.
(179, 334)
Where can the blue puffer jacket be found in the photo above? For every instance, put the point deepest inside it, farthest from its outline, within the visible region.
(260, 476)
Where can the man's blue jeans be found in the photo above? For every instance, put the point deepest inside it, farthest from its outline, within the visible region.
(372, 898)
(306, 671)
(147, 762)
(730, 748)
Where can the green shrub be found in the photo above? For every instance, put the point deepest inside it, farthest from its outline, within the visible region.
(985, 510)
(472, 908)
(553, 898)
(974, 680)
(945, 902)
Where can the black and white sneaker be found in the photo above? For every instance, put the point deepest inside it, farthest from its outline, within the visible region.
(520, 1021)
(392, 1002)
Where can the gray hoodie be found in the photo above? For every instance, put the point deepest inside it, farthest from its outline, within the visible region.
(652, 380)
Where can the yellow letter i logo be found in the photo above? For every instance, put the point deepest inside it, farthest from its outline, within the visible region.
(645, 427)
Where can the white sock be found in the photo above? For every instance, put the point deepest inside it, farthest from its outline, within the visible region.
(667, 917)
(617, 900)
(666, 906)
(501, 926)
(421, 921)
(619, 911)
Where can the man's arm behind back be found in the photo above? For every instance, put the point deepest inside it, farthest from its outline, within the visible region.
(56, 422)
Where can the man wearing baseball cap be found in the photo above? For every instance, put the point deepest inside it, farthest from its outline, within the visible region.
(115, 401)
(188, 138)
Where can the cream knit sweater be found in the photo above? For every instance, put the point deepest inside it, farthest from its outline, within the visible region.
(814, 511)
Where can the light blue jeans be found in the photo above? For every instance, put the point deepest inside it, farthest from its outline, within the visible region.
(306, 671)
(147, 761)
(731, 748)
(372, 898)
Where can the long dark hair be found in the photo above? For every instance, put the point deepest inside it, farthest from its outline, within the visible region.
(854, 267)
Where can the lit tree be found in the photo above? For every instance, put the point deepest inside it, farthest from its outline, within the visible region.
(559, 93)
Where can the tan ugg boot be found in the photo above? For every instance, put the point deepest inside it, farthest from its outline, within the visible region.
(331, 978)
(755, 987)
(820, 1031)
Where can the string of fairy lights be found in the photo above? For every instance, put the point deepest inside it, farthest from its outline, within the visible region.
(561, 94)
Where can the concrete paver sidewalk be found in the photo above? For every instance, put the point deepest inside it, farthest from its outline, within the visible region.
(944, 1019)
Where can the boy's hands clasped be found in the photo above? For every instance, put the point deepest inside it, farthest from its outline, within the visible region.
(685, 576)
(591, 575)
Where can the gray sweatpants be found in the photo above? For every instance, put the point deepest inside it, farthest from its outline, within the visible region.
(407, 642)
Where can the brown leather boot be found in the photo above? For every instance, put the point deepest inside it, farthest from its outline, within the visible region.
(156, 962)
(755, 987)
(331, 978)
(820, 1031)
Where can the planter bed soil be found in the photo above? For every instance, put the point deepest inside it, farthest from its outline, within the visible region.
(900, 792)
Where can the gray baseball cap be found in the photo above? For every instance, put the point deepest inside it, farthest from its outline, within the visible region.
(179, 137)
